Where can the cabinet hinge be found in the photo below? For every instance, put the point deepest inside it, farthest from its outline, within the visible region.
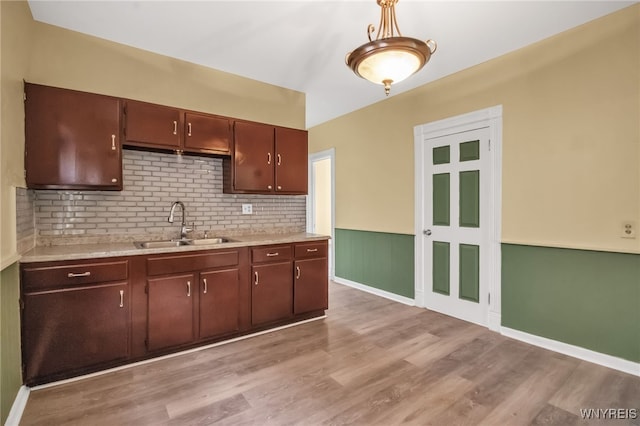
(489, 144)
(489, 298)
(24, 96)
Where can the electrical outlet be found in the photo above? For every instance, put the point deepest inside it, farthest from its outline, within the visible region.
(247, 209)
(628, 229)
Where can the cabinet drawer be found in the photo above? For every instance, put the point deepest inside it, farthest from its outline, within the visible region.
(46, 277)
(316, 249)
(270, 254)
(162, 265)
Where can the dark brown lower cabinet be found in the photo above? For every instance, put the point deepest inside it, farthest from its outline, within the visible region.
(271, 293)
(310, 288)
(74, 328)
(219, 302)
(170, 311)
(82, 316)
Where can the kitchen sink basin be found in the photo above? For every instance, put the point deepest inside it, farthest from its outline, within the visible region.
(179, 243)
(205, 241)
(160, 244)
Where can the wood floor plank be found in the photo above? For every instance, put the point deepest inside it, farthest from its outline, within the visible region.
(372, 361)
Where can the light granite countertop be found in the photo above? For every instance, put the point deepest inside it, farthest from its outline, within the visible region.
(92, 251)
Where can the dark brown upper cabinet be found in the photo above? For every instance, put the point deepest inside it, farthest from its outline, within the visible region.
(71, 139)
(266, 160)
(156, 126)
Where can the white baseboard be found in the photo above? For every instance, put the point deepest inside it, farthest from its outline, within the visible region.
(574, 351)
(15, 414)
(376, 291)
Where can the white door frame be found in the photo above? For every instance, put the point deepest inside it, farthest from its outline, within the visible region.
(318, 156)
(489, 117)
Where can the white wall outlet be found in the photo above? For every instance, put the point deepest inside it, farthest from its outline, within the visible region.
(247, 209)
(628, 229)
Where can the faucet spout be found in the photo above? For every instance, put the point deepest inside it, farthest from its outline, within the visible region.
(183, 226)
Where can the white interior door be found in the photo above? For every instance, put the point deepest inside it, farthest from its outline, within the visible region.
(457, 220)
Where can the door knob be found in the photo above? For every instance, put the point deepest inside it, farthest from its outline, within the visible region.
(427, 232)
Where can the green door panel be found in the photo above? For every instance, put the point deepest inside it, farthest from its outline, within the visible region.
(441, 194)
(469, 272)
(470, 199)
(440, 267)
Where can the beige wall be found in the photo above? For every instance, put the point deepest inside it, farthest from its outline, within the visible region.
(571, 140)
(16, 43)
(73, 60)
(322, 176)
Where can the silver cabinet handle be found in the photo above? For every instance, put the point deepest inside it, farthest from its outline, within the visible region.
(312, 250)
(205, 285)
(113, 142)
(269, 187)
(189, 129)
(279, 159)
(297, 272)
(82, 274)
(279, 187)
(188, 288)
(268, 158)
(256, 280)
(122, 298)
(175, 127)
(273, 254)
(114, 180)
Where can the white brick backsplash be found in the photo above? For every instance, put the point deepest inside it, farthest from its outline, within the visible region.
(152, 182)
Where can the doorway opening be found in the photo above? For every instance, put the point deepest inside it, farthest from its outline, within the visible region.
(321, 199)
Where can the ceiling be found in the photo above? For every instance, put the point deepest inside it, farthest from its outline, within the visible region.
(301, 45)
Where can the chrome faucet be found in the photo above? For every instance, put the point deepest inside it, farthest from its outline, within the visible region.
(183, 226)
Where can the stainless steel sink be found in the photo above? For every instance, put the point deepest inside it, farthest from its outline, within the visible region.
(205, 241)
(179, 243)
(160, 244)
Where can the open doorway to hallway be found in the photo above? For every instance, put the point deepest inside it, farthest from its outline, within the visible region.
(321, 198)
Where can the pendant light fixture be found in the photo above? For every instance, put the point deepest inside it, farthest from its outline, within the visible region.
(390, 58)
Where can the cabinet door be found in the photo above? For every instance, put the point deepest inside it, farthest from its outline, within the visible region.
(219, 302)
(170, 312)
(272, 292)
(71, 139)
(207, 134)
(71, 329)
(310, 288)
(253, 157)
(152, 125)
(291, 161)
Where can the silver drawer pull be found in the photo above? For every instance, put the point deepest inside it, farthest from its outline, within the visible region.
(82, 274)
(273, 254)
(113, 142)
(297, 272)
(205, 285)
(175, 127)
(256, 278)
(189, 129)
(188, 288)
(122, 298)
(312, 250)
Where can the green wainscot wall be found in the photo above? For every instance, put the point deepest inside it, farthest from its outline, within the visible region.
(377, 259)
(584, 298)
(10, 360)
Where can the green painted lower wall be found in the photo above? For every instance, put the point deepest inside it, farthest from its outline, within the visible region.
(584, 298)
(377, 259)
(10, 376)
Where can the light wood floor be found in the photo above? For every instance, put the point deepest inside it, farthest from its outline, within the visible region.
(370, 362)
